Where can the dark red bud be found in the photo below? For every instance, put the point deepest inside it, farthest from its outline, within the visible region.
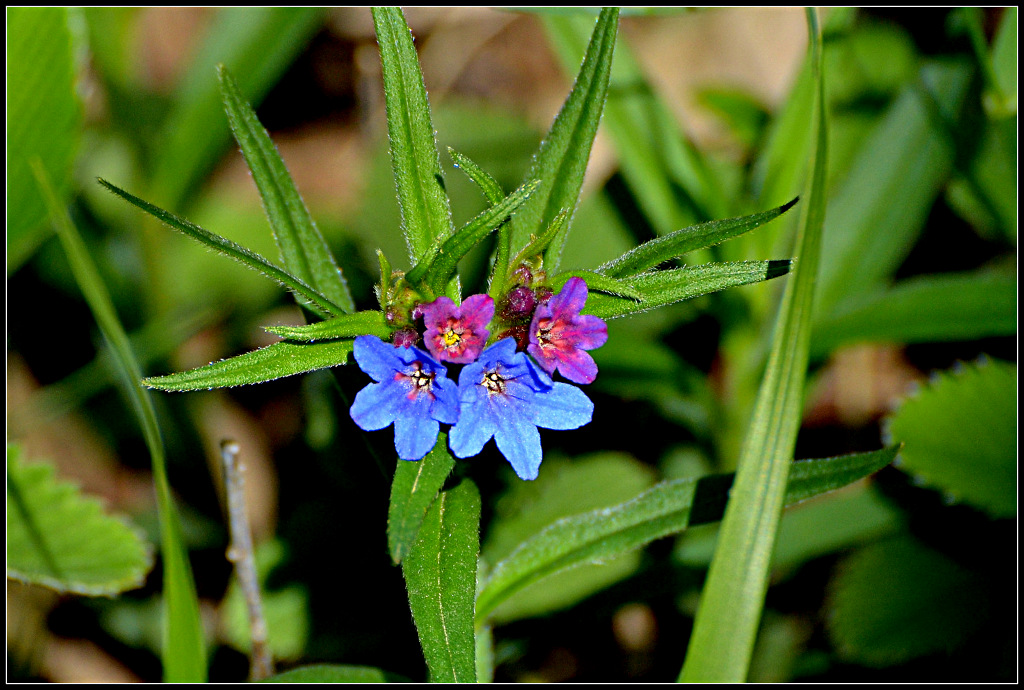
(519, 304)
(406, 337)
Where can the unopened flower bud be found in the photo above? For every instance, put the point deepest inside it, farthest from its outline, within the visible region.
(519, 304)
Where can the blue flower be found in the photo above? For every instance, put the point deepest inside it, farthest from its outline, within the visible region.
(413, 392)
(506, 396)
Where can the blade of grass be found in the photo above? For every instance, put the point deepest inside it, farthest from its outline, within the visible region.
(733, 599)
(317, 302)
(303, 249)
(426, 217)
(184, 650)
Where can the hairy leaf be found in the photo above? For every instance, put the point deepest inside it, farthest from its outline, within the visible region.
(413, 491)
(344, 326)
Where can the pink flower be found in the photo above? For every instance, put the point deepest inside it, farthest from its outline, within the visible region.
(457, 334)
(559, 334)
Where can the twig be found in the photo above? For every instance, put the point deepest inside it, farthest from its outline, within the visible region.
(240, 553)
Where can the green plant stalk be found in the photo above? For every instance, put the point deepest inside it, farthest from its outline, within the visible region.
(733, 598)
(184, 651)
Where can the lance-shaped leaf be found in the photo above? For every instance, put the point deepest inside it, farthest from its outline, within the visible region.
(562, 159)
(440, 574)
(413, 491)
(649, 254)
(666, 287)
(317, 302)
(597, 281)
(303, 249)
(443, 264)
(59, 538)
(665, 509)
(344, 326)
(487, 184)
(184, 649)
(266, 364)
(422, 200)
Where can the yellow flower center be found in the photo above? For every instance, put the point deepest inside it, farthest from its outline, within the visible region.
(451, 338)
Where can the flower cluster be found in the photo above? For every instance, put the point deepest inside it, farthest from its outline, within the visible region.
(502, 393)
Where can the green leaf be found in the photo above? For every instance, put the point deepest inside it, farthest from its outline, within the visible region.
(960, 434)
(61, 539)
(257, 44)
(667, 508)
(897, 600)
(673, 285)
(443, 264)
(43, 120)
(266, 364)
(561, 161)
(413, 491)
(303, 249)
(596, 281)
(330, 673)
(654, 252)
(876, 214)
(1004, 65)
(487, 184)
(184, 649)
(733, 598)
(426, 218)
(344, 326)
(943, 307)
(440, 574)
(317, 302)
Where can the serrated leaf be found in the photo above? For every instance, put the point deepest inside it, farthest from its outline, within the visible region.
(303, 249)
(960, 435)
(257, 44)
(330, 673)
(674, 285)
(62, 539)
(316, 302)
(654, 252)
(896, 600)
(440, 575)
(43, 119)
(668, 508)
(344, 326)
(413, 491)
(266, 364)
(426, 217)
(562, 159)
(930, 308)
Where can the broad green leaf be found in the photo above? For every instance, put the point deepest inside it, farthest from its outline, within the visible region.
(674, 285)
(43, 119)
(266, 364)
(426, 217)
(442, 265)
(303, 249)
(878, 211)
(344, 326)
(668, 508)
(440, 575)
(733, 597)
(413, 491)
(960, 435)
(257, 44)
(561, 162)
(928, 308)
(59, 538)
(896, 600)
(654, 252)
(330, 673)
(184, 649)
(317, 302)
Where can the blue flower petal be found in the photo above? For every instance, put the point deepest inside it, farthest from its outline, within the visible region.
(563, 407)
(415, 433)
(376, 358)
(519, 441)
(476, 423)
(445, 406)
(377, 405)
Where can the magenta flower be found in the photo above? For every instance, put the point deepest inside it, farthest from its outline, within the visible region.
(559, 334)
(457, 333)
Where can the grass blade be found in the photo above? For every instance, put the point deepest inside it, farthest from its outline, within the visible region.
(440, 574)
(317, 302)
(303, 249)
(266, 364)
(426, 217)
(184, 650)
(733, 597)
